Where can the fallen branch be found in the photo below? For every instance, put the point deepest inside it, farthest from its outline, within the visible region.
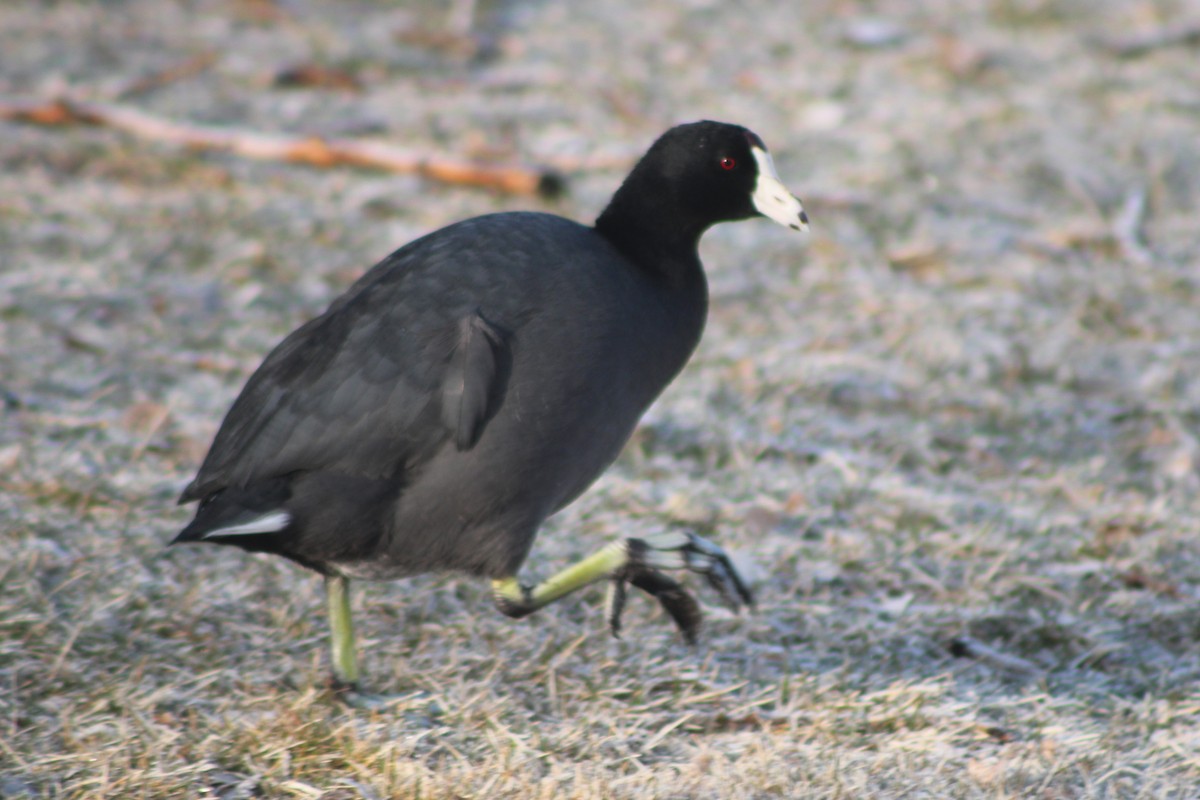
(313, 150)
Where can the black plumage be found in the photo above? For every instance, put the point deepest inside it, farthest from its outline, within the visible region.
(479, 379)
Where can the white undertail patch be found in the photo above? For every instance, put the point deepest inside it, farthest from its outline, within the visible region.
(273, 522)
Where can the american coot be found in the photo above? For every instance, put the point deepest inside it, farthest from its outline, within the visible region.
(479, 379)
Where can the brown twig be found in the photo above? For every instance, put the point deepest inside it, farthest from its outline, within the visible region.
(176, 72)
(313, 150)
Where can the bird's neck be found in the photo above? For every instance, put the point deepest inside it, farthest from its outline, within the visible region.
(652, 236)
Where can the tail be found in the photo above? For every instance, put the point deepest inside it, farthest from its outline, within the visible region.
(241, 516)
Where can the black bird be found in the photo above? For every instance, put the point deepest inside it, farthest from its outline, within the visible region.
(476, 381)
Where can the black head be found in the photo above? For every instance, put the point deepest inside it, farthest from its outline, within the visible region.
(693, 177)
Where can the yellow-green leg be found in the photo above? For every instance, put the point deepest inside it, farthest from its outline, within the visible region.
(517, 599)
(341, 633)
(634, 561)
(344, 649)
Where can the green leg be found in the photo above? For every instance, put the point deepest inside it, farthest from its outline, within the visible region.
(634, 561)
(344, 651)
(517, 599)
(344, 655)
(341, 630)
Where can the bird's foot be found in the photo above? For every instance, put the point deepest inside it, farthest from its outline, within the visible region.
(354, 696)
(676, 550)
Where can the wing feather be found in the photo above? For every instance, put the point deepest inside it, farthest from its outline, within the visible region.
(395, 368)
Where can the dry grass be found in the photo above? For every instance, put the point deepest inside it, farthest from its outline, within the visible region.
(953, 432)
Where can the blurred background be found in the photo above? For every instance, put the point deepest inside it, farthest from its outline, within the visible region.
(951, 431)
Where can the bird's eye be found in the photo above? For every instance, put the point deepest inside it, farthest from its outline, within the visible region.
(728, 163)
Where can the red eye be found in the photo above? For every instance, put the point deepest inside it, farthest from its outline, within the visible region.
(728, 163)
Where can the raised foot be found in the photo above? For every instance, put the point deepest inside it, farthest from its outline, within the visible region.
(675, 550)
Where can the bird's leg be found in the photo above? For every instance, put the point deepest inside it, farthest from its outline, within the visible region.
(637, 562)
(341, 632)
(344, 652)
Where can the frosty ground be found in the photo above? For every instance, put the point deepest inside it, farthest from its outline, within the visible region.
(952, 432)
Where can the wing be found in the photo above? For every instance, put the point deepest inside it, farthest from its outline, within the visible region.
(470, 386)
(400, 365)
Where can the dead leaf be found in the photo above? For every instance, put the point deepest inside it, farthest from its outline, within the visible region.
(961, 58)
(191, 450)
(1116, 532)
(317, 76)
(996, 734)
(145, 418)
(794, 502)
(921, 259)
(984, 773)
(752, 721)
(1137, 577)
(464, 46)
(10, 456)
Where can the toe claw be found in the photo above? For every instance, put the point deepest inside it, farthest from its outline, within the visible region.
(674, 599)
(615, 604)
(701, 555)
(676, 550)
(724, 577)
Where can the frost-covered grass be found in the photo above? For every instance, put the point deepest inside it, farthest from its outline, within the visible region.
(952, 432)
